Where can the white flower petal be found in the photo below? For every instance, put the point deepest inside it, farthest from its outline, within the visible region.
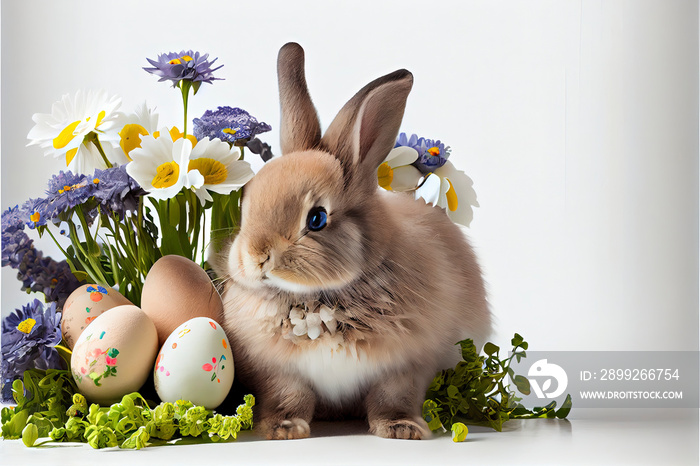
(430, 189)
(314, 332)
(466, 196)
(296, 314)
(313, 320)
(326, 313)
(405, 178)
(300, 328)
(400, 156)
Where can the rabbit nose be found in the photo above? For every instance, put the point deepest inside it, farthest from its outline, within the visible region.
(262, 260)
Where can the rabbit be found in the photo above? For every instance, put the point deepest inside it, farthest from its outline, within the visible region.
(340, 298)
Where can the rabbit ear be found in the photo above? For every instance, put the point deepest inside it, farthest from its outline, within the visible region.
(300, 128)
(365, 129)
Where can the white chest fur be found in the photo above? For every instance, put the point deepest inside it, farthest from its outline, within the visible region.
(337, 375)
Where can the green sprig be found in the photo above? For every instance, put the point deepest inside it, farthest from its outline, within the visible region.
(476, 391)
(48, 405)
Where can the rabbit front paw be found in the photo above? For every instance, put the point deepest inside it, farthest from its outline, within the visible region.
(288, 429)
(400, 429)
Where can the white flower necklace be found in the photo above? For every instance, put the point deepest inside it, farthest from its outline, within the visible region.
(312, 319)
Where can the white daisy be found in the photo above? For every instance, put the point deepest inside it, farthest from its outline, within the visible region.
(219, 165)
(397, 173)
(159, 166)
(163, 167)
(62, 132)
(450, 189)
(142, 122)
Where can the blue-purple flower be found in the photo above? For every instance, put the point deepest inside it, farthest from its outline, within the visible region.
(65, 191)
(432, 154)
(229, 124)
(28, 339)
(36, 272)
(184, 65)
(116, 191)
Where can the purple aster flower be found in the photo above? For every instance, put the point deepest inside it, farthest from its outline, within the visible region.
(28, 339)
(36, 272)
(65, 191)
(52, 278)
(13, 219)
(116, 191)
(185, 65)
(432, 154)
(229, 124)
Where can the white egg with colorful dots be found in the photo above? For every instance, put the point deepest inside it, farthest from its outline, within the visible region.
(195, 363)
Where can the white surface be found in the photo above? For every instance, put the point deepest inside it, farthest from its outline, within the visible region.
(639, 437)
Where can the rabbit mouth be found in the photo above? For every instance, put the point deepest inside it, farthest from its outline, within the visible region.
(272, 280)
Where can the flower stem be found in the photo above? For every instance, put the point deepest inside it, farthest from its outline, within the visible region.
(92, 137)
(185, 87)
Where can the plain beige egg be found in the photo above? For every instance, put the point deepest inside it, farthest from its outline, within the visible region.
(84, 305)
(114, 355)
(177, 290)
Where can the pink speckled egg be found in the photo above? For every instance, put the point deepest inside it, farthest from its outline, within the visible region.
(84, 305)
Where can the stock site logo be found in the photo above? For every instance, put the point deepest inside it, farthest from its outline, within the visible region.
(547, 372)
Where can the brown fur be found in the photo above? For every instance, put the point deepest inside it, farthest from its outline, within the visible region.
(403, 281)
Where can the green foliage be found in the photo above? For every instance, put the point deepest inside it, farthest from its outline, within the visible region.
(48, 405)
(476, 391)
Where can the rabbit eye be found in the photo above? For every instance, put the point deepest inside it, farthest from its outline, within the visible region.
(317, 219)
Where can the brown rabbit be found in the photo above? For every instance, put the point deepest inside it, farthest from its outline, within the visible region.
(342, 298)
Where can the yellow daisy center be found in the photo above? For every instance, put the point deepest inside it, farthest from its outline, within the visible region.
(65, 136)
(385, 175)
(26, 325)
(131, 138)
(35, 217)
(452, 202)
(166, 175)
(213, 171)
(177, 61)
(434, 151)
(175, 134)
(70, 155)
(68, 133)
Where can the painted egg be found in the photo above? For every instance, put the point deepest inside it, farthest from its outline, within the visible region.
(195, 364)
(84, 305)
(114, 354)
(176, 290)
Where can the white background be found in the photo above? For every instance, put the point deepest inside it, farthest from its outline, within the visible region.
(577, 121)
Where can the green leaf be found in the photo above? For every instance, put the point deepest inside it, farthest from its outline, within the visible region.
(562, 412)
(30, 434)
(516, 340)
(522, 383)
(491, 349)
(173, 212)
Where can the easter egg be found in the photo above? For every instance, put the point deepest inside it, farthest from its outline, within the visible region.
(176, 290)
(84, 305)
(114, 354)
(195, 364)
